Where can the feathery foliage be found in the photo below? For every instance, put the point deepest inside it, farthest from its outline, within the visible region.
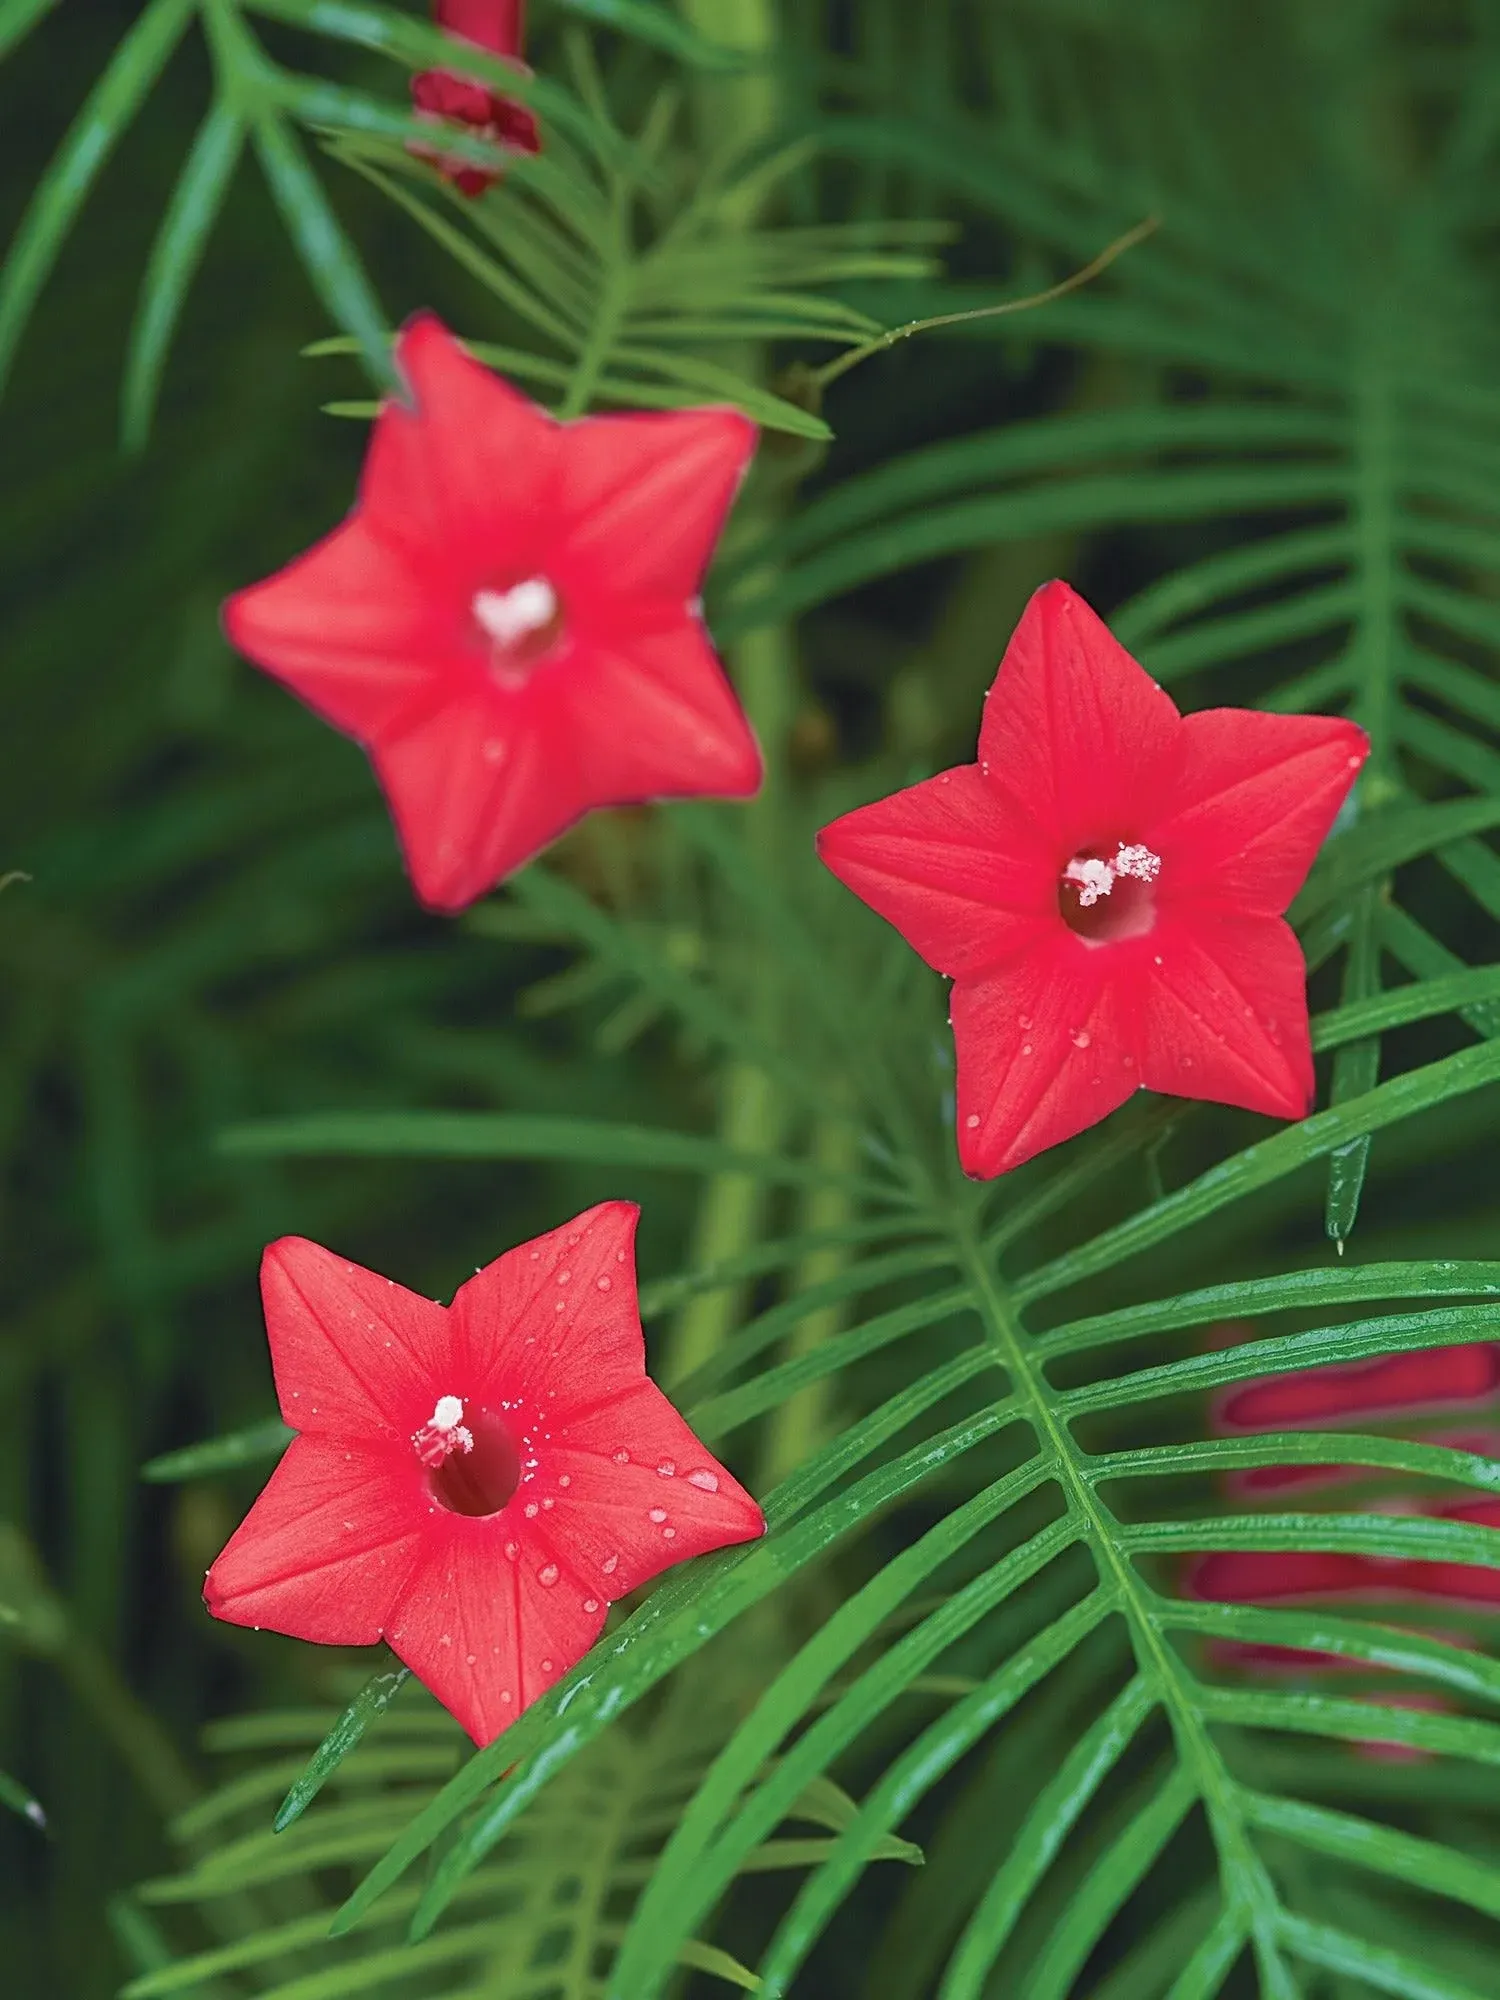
(1269, 442)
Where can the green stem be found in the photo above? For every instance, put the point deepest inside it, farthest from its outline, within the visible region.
(800, 1425)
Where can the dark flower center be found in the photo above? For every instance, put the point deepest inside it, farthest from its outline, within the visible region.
(1105, 897)
(481, 1476)
(518, 626)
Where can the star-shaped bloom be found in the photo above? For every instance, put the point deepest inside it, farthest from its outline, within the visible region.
(500, 27)
(1106, 888)
(509, 619)
(473, 1483)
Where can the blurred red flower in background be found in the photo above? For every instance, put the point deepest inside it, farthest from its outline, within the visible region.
(500, 27)
(1106, 887)
(509, 619)
(1418, 1390)
(475, 1484)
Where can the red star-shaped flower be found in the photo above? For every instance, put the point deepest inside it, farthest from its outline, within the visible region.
(500, 27)
(1106, 888)
(509, 619)
(473, 1483)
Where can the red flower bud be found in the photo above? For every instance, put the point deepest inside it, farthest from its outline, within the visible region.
(498, 26)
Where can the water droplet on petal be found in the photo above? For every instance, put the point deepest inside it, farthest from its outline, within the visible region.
(610, 1564)
(563, 1277)
(1184, 1062)
(657, 1514)
(622, 1457)
(530, 1510)
(512, 1549)
(546, 1666)
(547, 1575)
(603, 1284)
(1024, 1021)
(1026, 1048)
(972, 1121)
(565, 1479)
(591, 1604)
(470, 1658)
(667, 1469)
(1082, 1039)
(669, 1534)
(708, 1481)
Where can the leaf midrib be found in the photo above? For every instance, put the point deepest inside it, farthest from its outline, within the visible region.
(1246, 1881)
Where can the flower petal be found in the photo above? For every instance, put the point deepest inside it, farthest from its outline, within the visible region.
(1226, 1014)
(652, 716)
(954, 864)
(488, 1631)
(354, 1354)
(1396, 1382)
(1254, 802)
(488, 24)
(474, 791)
(463, 479)
(556, 1318)
(1075, 731)
(327, 1549)
(635, 1491)
(352, 627)
(645, 496)
(1046, 1047)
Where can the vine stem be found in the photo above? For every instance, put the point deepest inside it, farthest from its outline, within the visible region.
(1247, 1884)
(834, 369)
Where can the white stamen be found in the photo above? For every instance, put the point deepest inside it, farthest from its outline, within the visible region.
(1139, 862)
(509, 616)
(1094, 878)
(444, 1433)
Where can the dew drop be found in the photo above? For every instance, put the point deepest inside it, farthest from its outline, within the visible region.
(972, 1121)
(512, 1549)
(1082, 1039)
(546, 1666)
(619, 1256)
(610, 1564)
(667, 1469)
(547, 1575)
(1024, 1021)
(549, 1502)
(708, 1481)
(536, 1256)
(506, 1695)
(1157, 959)
(563, 1277)
(622, 1458)
(1184, 1062)
(561, 1306)
(669, 1534)
(565, 1479)
(602, 1284)
(1026, 1048)
(657, 1514)
(470, 1658)
(530, 1510)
